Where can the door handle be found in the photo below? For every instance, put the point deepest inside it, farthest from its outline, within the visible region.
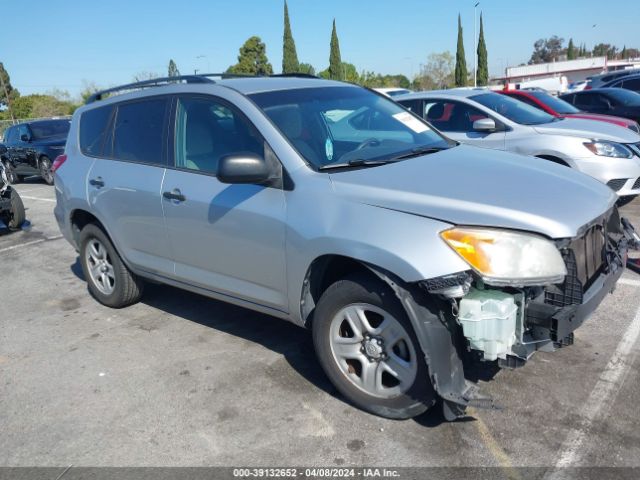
(97, 182)
(174, 194)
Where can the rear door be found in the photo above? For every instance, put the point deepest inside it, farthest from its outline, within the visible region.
(124, 182)
(455, 119)
(228, 239)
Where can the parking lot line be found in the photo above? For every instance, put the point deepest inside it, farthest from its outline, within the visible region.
(628, 281)
(38, 198)
(601, 396)
(33, 242)
(490, 442)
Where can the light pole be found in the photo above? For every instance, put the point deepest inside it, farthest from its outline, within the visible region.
(475, 46)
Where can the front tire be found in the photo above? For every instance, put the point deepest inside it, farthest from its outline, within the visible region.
(368, 349)
(44, 168)
(17, 211)
(108, 278)
(11, 174)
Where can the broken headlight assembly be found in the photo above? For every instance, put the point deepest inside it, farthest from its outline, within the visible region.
(507, 258)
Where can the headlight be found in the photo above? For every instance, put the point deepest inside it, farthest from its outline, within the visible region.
(609, 149)
(506, 258)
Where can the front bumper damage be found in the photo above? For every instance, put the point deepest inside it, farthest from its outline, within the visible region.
(546, 316)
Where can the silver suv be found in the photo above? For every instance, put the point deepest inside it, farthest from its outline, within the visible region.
(487, 119)
(332, 207)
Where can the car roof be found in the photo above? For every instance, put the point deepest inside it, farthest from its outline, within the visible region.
(626, 77)
(250, 85)
(596, 90)
(451, 93)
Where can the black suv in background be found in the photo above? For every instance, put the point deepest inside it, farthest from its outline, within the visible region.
(32, 147)
(609, 101)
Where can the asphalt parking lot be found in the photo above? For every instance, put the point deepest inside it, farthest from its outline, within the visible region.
(181, 380)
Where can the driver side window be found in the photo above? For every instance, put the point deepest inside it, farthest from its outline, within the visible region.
(450, 116)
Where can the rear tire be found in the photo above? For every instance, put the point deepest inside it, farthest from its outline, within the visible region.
(44, 168)
(368, 349)
(11, 174)
(110, 281)
(17, 211)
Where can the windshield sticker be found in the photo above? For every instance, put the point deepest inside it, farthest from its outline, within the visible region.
(328, 149)
(410, 121)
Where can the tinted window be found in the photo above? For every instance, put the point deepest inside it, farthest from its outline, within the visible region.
(526, 100)
(632, 84)
(413, 105)
(93, 130)
(139, 130)
(624, 97)
(556, 104)
(207, 130)
(335, 125)
(451, 116)
(23, 130)
(53, 128)
(513, 109)
(583, 100)
(11, 135)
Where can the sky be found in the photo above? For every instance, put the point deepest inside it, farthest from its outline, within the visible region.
(63, 44)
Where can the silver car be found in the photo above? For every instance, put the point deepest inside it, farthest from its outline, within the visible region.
(331, 206)
(486, 119)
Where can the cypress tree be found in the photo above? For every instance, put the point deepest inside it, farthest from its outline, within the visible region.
(290, 62)
(461, 62)
(335, 61)
(571, 50)
(623, 53)
(173, 71)
(483, 62)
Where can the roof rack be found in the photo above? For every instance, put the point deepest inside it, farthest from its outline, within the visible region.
(196, 78)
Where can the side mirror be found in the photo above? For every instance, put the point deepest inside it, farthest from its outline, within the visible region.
(25, 138)
(243, 168)
(484, 125)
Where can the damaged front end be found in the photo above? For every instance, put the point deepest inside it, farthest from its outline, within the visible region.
(464, 316)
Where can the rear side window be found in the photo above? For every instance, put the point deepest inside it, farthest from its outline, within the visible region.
(632, 84)
(93, 130)
(139, 131)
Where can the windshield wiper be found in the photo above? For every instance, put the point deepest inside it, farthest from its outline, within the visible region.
(356, 162)
(416, 152)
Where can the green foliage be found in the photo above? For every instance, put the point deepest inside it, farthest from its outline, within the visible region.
(306, 68)
(547, 50)
(335, 62)
(37, 105)
(376, 80)
(290, 62)
(461, 61)
(6, 88)
(436, 73)
(89, 88)
(173, 71)
(571, 50)
(605, 50)
(252, 59)
(483, 62)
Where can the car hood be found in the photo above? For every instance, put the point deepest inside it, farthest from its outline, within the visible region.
(600, 117)
(475, 186)
(576, 127)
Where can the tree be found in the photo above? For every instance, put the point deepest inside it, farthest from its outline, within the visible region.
(571, 50)
(436, 73)
(306, 68)
(252, 59)
(37, 106)
(605, 50)
(623, 53)
(290, 62)
(144, 75)
(547, 50)
(335, 61)
(173, 71)
(461, 61)
(7, 93)
(483, 62)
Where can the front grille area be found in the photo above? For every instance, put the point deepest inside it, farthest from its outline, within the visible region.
(636, 184)
(585, 259)
(617, 183)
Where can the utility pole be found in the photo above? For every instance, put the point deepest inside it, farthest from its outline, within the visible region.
(475, 45)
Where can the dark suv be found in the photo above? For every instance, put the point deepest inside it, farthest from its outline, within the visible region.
(32, 147)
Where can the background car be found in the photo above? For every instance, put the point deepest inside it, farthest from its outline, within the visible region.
(12, 214)
(392, 91)
(33, 146)
(607, 101)
(598, 81)
(560, 108)
(629, 82)
(577, 86)
(490, 120)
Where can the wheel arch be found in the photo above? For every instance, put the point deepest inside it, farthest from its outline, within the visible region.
(555, 159)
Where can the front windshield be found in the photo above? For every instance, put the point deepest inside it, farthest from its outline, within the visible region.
(625, 97)
(555, 103)
(51, 128)
(338, 125)
(513, 109)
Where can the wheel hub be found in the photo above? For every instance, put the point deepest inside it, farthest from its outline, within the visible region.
(373, 348)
